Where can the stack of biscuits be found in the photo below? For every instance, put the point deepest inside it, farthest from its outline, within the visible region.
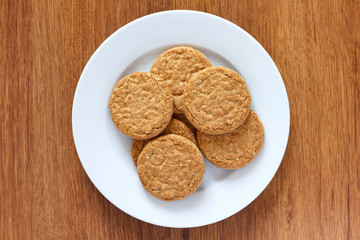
(184, 96)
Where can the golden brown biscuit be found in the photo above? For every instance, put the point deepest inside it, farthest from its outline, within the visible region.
(140, 106)
(175, 67)
(236, 149)
(174, 127)
(216, 100)
(179, 128)
(183, 118)
(171, 167)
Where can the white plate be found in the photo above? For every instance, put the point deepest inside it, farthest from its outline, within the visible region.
(105, 152)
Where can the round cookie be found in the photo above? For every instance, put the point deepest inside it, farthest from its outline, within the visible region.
(183, 118)
(140, 106)
(171, 167)
(216, 100)
(236, 149)
(175, 67)
(174, 127)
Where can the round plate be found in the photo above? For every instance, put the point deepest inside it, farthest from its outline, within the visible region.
(105, 152)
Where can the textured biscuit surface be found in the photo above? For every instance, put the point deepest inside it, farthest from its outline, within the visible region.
(137, 147)
(171, 167)
(174, 127)
(183, 118)
(236, 149)
(140, 106)
(179, 128)
(175, 67)
(216, 100)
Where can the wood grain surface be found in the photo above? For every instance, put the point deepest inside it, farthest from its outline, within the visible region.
(46, 194)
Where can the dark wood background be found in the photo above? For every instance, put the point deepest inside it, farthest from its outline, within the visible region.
(46, 194)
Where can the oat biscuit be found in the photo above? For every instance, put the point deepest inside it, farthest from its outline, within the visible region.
(171, 167)
(174, 127)
(179, 128)
(216, 100)
(175, 67)
(140, 106)
(183, 118)
(236, 149)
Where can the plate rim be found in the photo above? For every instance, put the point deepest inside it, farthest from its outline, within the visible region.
(128, 25)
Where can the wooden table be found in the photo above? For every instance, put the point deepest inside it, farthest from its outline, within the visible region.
(46, 194)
